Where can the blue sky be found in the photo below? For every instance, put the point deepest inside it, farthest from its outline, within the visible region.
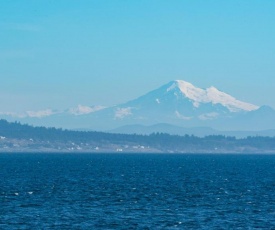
(58, 54)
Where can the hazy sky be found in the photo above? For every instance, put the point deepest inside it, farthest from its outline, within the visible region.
(58, 54)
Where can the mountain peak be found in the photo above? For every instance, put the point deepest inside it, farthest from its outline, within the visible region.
(188, 90)
(184, 86)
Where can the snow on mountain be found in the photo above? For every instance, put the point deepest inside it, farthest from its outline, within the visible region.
(76, 111)
(81, 109)
(122, 112)
(210, 95)
(30, 114)
(40, 114)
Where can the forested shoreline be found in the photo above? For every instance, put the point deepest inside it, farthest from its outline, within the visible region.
(22, 137)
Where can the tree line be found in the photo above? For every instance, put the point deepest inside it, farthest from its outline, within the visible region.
(164, 141)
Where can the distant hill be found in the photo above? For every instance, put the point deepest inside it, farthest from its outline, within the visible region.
(196, 131)
(164, 128)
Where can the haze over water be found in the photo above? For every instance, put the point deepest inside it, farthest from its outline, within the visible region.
(136, 191)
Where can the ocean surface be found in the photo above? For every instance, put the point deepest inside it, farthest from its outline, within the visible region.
(137, 191)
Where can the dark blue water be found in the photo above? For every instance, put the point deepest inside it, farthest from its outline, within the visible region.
(113, 191)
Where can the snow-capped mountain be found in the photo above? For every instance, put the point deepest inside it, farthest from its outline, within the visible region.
(180, 101)
(182, 104)
(177, 103)
(185, 101)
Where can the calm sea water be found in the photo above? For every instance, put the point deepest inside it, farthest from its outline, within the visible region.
(136, 191)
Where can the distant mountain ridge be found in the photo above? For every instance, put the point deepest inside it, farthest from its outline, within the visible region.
(181, 131)
(177, 103)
